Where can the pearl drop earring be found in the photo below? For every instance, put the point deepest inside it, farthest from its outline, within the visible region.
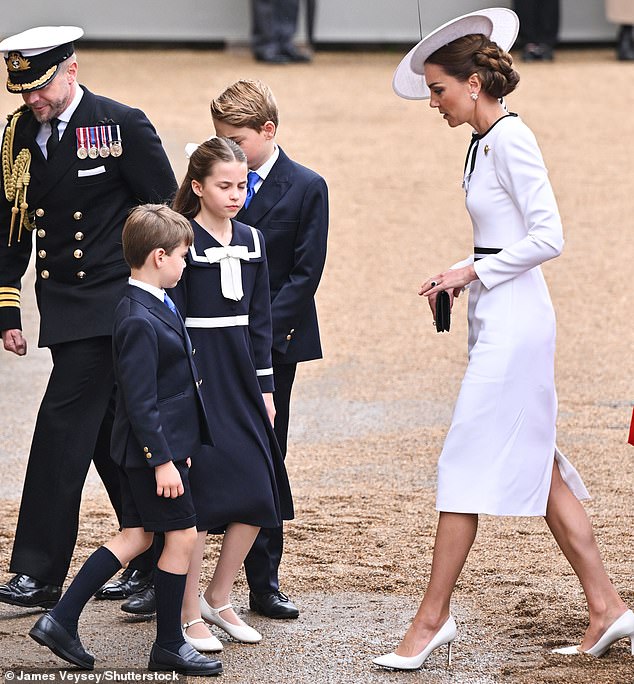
(474, 96)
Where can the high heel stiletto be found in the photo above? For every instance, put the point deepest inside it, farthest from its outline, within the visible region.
(445, 635)
(619, 629)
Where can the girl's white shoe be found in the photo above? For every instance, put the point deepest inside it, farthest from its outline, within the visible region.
(445, 635)
(619, 629)
(208, 644)
(243, 632)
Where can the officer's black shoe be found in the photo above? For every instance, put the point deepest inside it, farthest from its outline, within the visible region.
(187, 661)
(48, 632)
(274, 604)
(141, 603)
(28, 592)
(129, 582)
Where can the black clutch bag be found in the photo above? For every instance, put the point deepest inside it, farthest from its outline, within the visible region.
(443, 312)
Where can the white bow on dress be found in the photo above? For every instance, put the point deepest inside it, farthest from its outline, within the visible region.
(230, 269)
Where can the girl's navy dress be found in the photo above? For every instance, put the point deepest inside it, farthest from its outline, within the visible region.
(225, 301)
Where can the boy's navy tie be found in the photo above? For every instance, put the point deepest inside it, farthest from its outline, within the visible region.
(252, 179)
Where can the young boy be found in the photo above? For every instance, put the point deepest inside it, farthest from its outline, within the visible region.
(160, 424)
(289, 204)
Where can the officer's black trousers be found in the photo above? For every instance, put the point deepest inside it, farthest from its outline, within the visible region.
(73, 427)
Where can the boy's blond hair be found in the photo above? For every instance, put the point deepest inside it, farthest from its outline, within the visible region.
(246, 104)
(150, 227)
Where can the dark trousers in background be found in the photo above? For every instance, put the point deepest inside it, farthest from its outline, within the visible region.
(539, 21)
(273, 25)
(263, 561)
(73, 428)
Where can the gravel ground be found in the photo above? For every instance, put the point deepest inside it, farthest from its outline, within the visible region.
(368, 421)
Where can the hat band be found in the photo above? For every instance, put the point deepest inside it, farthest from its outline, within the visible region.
(32, 85)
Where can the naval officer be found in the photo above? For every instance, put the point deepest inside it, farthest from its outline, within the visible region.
(73, 165)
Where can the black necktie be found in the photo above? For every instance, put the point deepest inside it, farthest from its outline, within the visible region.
(53, 139)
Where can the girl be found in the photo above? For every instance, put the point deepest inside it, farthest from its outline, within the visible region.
(224, 298)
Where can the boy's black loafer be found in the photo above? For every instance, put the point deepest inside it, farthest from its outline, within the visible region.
(48, 632)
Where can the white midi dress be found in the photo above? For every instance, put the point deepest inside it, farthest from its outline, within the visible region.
(498, 454)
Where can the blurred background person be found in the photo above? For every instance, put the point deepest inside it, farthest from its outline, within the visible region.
(273, 27)
(621, 12)
(539, 28)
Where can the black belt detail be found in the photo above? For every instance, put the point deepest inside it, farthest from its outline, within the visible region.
(481, 252)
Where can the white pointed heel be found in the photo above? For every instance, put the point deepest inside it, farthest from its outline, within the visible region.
(243, 632)
(445, 635)
(619, 629)
(208, 644)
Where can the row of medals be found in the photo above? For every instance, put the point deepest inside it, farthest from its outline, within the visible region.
(98, 141)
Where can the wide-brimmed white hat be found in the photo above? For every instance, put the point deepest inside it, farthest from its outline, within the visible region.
(499, 24)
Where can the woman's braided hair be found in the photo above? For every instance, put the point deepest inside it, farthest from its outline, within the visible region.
(476, 54)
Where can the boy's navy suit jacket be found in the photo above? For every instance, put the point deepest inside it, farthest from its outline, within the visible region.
(160, 415)
(291, 210)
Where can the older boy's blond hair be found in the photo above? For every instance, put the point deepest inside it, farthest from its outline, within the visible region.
(246, 104)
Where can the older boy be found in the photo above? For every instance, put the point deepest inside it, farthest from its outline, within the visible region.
(289, 204)
(160, 424)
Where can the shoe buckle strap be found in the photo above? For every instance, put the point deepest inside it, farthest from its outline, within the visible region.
(187, 625)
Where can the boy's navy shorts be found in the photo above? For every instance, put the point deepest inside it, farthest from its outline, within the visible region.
(142, 507)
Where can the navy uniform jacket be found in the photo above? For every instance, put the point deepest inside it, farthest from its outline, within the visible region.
(291, 210)
(160, 415)
(79, 207)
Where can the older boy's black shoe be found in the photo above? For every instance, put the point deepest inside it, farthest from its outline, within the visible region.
(141, 603)
(129, 582)
(28, 592)
(48, 632)
(187, 661)
(274, 604)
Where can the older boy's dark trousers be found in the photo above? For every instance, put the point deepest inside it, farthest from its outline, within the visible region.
(263, 561)
(73, 427)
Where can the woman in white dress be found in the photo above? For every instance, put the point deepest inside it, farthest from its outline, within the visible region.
(500, 456)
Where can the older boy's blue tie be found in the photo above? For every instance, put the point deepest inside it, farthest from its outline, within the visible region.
(252, 179)
(170, 304)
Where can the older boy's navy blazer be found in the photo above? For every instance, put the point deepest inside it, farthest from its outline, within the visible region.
(291, 210)
(160, 415)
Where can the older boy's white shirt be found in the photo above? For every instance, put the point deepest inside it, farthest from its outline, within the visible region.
(156, 291)
(265, 169)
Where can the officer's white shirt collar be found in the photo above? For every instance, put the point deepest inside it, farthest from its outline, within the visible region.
(64, 118)
(156, 291)
(265, 169)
